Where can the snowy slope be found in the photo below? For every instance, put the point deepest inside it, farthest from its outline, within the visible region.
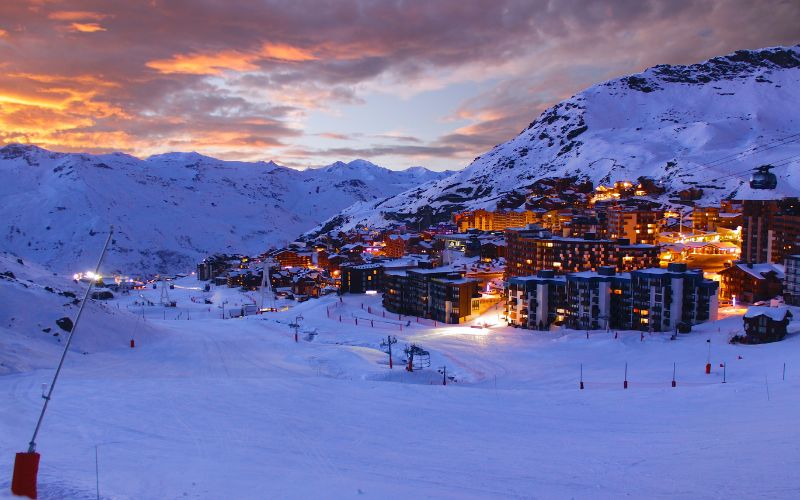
(237, 409)
(172, 209)
(32, 299)
(668, 123)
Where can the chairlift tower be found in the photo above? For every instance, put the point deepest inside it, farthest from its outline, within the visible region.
(165, 301)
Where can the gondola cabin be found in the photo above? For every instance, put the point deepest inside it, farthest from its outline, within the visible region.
(762, 178)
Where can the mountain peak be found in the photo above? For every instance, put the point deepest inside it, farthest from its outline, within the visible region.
(26, 151)
(182, 157)
(702, 126)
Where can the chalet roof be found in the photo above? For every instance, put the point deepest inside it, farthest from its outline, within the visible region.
(404, 236)
(774, 313)
(760, 271)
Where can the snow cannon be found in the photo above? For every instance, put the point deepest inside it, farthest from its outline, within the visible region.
(26, 468)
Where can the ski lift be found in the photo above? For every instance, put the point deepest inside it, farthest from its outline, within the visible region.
(762, 178)
(420, 358)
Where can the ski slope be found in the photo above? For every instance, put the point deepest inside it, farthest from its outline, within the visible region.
(234, 408)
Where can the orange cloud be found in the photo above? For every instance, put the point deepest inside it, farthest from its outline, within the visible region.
(76, 15)
(215, 63)
(3, 33)
(205, 64)
(86, 27)
(283, 52)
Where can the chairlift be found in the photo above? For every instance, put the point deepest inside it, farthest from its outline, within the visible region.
(762, 178)
(420, 358)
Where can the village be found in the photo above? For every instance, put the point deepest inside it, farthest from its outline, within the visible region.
(574, 256)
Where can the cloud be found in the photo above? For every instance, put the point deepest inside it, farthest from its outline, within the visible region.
(86, 27)
(76, 15)
(205, 64)
(285, 52)
(241, 77)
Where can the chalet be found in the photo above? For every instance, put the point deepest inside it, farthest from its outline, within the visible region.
(306, 284)
(749, 283)
(352, 249)
(396, 245)
(765, 324)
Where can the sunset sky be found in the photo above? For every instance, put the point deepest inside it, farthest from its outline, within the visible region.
(432, 83)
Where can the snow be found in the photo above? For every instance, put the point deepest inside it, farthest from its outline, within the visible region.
(212, 408)
(170, 210)
(774, 313)
(760, 270)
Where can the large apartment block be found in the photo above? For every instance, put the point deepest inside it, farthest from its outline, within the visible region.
(498, 220)
(533, 248)
(791, 285)
(648, 299)
(641, 226)
(536, 302)
(443, 296)
(770, 229)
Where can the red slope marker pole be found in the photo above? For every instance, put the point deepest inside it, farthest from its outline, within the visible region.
(674, 383)
(625, 382)
(26, 465)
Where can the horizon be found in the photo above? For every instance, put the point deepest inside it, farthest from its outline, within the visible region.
(397, 85)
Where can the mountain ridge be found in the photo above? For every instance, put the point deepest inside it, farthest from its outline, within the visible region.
(170, 210)
(667, 122)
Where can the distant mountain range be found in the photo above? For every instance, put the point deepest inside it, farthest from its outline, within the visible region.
(173, 209)
(703, 126)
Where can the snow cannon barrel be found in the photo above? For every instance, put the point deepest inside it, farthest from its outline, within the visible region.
(26, 469)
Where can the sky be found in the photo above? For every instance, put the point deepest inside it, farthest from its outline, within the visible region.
(399, 83)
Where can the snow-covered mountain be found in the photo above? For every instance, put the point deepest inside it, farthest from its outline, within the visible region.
(684, 126)
(172, 209)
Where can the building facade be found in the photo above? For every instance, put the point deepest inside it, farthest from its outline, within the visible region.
(770, 229)
(791, 282)
(640, 226)
(361, 278)
(647, 300)
(499, 220)
(766, 324)
(536, 302)
(749, 283)
(533, 248)
(442, 296)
